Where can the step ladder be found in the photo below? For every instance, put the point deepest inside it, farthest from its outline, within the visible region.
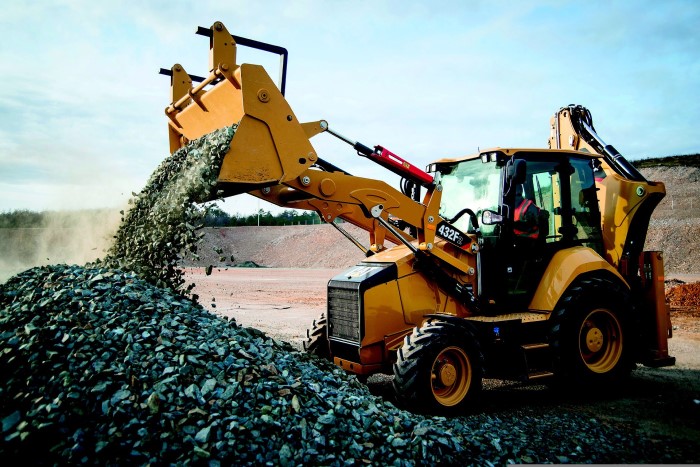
(538, 361)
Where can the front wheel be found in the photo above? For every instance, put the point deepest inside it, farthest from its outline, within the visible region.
(439, 367)
(316, 342)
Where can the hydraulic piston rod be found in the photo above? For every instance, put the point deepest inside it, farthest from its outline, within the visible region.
(386, 159)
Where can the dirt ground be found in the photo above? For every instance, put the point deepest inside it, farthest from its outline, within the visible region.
(663, 402)
(281, 302)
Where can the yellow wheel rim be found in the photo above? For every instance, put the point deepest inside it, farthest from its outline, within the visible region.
(451, 376)
(600, 341)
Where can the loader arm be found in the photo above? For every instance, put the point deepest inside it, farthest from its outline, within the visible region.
(272, 158)
(284, 196)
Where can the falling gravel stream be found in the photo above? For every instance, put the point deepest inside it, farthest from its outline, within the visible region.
(162, 225)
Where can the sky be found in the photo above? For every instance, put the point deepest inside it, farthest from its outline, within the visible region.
(82, 121)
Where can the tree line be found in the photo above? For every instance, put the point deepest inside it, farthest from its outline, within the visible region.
(21, 218)
(687, 160)
(213, 217)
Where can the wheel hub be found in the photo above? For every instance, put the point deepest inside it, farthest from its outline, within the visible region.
(451, 376)
(601, 341)
(594, 339)
(447, 374)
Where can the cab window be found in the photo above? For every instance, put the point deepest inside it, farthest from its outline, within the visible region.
(470, 184)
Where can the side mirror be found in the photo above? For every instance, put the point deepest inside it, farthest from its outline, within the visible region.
(491, 218)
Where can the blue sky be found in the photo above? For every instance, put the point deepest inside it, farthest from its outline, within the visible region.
(81, 103)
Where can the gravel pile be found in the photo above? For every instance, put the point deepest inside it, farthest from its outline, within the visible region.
(675, 223)
(684, 295)
(677, 238)
(102, 367)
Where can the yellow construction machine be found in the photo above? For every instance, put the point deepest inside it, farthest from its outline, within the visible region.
(472, 287)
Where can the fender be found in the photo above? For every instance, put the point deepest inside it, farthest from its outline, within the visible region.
(455, 320)
(564, 268)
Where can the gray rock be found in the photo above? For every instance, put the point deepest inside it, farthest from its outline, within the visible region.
(11, 421)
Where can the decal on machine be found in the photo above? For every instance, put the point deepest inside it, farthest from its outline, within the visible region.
(451, 234)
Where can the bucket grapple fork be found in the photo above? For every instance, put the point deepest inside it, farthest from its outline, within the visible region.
(270, 146)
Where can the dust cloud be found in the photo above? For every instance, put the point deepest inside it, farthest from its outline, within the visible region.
(71, 237)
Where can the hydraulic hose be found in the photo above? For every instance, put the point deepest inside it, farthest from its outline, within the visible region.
(583, 123)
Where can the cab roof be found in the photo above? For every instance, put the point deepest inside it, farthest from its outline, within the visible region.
(510, 152)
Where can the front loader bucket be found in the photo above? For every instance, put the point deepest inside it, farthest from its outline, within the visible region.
(270, 145)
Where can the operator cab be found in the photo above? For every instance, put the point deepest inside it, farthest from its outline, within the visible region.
(529, 204)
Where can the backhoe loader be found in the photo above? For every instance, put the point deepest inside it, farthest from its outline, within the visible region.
(454, 288)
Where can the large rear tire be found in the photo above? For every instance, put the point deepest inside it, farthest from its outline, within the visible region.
(439, 367)
(592, 335)
(317, 338)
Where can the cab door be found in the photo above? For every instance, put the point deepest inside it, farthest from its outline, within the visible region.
(562, 188)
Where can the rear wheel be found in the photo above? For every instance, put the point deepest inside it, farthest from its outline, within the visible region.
(317, 338)
(600, 341)
(439, 367)
(591, 336)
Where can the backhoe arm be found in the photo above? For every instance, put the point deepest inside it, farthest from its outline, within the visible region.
(625, 197)
(572, 128)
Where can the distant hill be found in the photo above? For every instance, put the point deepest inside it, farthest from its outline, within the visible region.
(689, 160)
